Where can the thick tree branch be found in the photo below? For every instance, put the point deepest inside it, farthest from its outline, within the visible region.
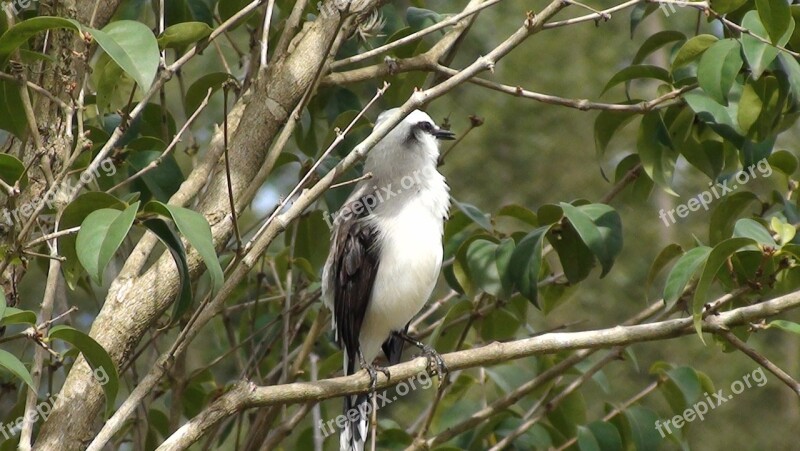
(246, 395)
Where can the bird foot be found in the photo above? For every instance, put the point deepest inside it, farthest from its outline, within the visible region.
(436, 363)
(373, 372)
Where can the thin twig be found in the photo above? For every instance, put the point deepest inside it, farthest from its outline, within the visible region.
(761, 360)
(414, 36)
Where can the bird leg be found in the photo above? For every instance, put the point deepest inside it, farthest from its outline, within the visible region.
(373, 371)
(435, 360)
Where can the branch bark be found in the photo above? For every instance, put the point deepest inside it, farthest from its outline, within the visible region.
(246, 395)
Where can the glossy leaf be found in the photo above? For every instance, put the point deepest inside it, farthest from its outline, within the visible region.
(21, 32)
(716, 258)
(194, 227)
(718, 68)
(182, 35)
(175, 246)
(727, 212)
(657, 41)
(198, 90)
(600, 228)
(606, 125)
(663, 258)
(750, 228)
(101, 234)
(656, 150)
(96, 356)
(133, 47)
(760, 55)
(692, 50)
(636, 72)
(16, 316)
(776, 17)
(15, 367)
(477, 216)
(11, 169)
(525, 263)
(786, 326)
(683, 271)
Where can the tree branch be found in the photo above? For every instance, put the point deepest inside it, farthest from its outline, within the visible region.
(247, 395)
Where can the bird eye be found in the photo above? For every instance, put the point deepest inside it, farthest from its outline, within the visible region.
(425, 126)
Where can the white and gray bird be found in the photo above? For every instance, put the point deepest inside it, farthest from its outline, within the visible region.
(386, 254)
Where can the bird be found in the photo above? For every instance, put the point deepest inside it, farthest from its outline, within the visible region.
(385, 256)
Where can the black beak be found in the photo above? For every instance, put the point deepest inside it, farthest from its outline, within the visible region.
(444, 134)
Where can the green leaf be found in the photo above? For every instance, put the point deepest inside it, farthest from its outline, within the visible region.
(750, 228)
(750, 107)
(640, 421)
(105, 371)
(482, 266)
(687, 383)
(112, 84)
(133, 47)
(477, 216)
(714, 262)
(682, 272)
(726, 213)
(101, 234)
(526, 260)
(419, 18)
(502, 258)
(663, 258)
(606, 435)
(784, 161)
(194, 227)
(586, 440)
(74, 214)
(10, 107)
(637, 71)
(16, 316)
(692, 49)
(17, 368)
(518, 212)
(159, 183)
(760, 55)
(3, 304)
(11, 169)
(21, 32)
(709, 109)
(639, 13)
(656, 150)
(791, 68)
(657, 41)
(182, 35)
(198, 90)
(718, 68)
(175, 246)
(776, 17)
(600, 228)
(726, 6)
(606, 125)
(786, 326)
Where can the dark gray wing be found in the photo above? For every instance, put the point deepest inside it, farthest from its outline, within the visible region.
(355, 266)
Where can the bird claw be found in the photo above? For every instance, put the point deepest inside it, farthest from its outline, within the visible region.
(436, 363)
(373, 373)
